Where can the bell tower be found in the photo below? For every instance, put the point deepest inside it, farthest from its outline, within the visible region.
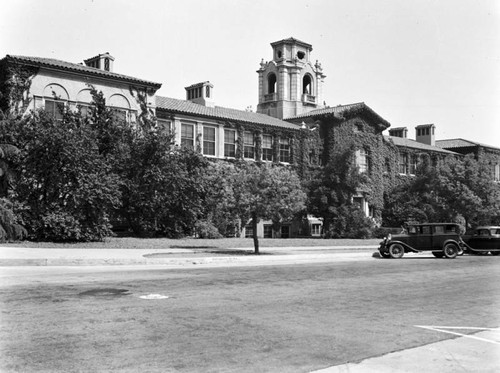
(290, 84)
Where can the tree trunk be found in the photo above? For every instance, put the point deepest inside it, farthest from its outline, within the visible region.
(254, 229)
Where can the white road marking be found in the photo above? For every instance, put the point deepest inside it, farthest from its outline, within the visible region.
(447, 329)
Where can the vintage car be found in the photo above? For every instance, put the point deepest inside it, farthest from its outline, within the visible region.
(443, 239)
(482, 240)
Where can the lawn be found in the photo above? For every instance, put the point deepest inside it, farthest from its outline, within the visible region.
(195, 243)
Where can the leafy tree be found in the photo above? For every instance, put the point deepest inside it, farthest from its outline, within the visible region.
(164, 186)
(219, 202)
(468, 190)
(66, 185)
(266, 192)
(10, 229)
(457, 189)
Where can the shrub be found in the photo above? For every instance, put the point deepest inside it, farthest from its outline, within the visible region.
(205, 229)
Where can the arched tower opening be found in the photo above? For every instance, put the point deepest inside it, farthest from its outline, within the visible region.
(271, 83)
(307, 87)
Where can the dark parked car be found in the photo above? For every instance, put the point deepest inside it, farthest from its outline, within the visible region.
(443, 239)
(482, 240)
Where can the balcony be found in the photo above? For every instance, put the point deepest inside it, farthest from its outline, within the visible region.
(271, 97)
(308, 99)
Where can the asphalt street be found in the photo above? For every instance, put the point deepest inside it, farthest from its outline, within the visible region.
(355, 313)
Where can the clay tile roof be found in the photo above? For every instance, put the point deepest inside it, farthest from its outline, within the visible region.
(217, 112)
(75, 67)
(340, 110)
(461, 143)
(408, 143)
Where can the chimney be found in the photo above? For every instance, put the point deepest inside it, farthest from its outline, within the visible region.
(399, 132)
(102, 62)
(425, 134)
(201, 93)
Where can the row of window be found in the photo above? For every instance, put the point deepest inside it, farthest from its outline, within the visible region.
(408, 164)
(56, 108)
(209, 141)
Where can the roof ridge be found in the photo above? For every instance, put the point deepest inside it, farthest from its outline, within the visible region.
(81, 67)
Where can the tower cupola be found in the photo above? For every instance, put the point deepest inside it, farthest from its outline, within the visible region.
(290, 84)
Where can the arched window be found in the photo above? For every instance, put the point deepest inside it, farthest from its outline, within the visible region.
(271, 83)
(307, 84)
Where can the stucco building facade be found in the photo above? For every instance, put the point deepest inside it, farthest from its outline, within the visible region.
(292, 125)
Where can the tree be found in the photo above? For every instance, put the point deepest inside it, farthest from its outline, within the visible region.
(219, 213)
(456, 189)
(64, 183)
(266, 192)
(164, 187)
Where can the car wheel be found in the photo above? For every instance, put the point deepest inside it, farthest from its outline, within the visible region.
(396, 251)
(384, 254)
(437, 254)
(495, 253)
(450, 250)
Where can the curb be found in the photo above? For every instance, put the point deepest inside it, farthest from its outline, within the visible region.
(260, 260)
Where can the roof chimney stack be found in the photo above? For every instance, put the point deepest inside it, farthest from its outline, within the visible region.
(425, 134)
(201, 93)
(102, 61)
(399, 132)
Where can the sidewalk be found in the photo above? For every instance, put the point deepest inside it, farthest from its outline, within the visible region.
(22, 256)
(479, 352)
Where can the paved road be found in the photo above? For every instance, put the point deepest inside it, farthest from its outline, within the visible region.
(286, 318)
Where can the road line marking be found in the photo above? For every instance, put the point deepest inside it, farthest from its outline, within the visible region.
(442, 329)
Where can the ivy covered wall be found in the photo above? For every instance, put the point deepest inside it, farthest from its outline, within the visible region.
(15, 83)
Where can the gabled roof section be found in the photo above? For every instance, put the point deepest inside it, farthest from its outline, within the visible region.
(218, 112)
(78, 68)
(461, 143)
(408, 143)
(342, 110)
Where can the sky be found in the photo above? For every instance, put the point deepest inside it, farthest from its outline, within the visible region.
(412, 61)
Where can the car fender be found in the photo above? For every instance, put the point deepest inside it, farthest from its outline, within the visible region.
(457, 244)
(405, 245)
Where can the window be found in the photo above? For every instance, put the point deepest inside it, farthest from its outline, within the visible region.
(119, 114)
(285, 231)
(54, 108)
(315, 229)
(248, 145)
(268, 231)
(84, 109)
(496, 172)
(208, 140)
(187, 136)
(284, 150)
(362, 160)
(413, 165)
(229, 143)
(207, 91)
(267, 148)
(164, 126)
(248, 231)
(403, 163)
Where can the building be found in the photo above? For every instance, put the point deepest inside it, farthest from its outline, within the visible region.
(31, 83)
(292, 125)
